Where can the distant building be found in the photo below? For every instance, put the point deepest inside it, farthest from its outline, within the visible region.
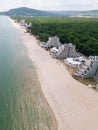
(22, 22)
(66, 50)
(28, 25)
(53, 42)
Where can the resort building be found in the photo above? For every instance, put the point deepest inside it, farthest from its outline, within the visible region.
(22, 22)
(66, 50)
(90, 71)
(54, 50)
(93, 58)
(28, 25)
(53, 42)
(72, 62)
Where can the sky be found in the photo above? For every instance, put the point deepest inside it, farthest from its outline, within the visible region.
(50, 4)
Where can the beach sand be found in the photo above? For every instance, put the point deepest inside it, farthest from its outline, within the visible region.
(74, 105)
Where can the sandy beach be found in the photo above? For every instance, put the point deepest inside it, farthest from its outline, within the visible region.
(74, 105)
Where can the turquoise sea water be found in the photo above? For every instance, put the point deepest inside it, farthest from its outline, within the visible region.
(22, 106)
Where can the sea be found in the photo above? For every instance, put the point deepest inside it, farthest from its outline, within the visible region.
(22, 104)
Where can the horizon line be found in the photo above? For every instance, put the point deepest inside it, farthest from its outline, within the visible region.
(47, 10)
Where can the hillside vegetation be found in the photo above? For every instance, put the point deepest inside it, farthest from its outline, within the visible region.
(83, 32)
(24, 11)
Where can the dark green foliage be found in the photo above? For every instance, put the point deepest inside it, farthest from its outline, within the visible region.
(44, 36)
(83, 32)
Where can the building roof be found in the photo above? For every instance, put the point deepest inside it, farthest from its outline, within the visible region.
(71, 61)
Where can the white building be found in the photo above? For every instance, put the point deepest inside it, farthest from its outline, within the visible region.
(53, 42)
(90, 71)
(66, 50)
(93, 58)
(22, 22)
(54, 50)
(72, 62)
(28, 25)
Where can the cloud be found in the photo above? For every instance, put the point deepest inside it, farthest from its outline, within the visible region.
(61, 4)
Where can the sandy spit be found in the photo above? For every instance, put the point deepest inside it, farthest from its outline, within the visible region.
(75, 106)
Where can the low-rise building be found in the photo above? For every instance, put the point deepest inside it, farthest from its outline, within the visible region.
(54, 50)
(42, 44)
(28, 25)
(72, 62)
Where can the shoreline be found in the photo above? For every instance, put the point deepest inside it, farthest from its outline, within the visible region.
(55, 125)
(72, 103)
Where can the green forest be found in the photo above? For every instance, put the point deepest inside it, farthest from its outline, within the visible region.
(82, 32)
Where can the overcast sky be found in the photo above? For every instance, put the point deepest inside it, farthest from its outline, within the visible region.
(50, 4)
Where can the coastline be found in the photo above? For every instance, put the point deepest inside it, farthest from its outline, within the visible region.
(68, 98)
(21, 30)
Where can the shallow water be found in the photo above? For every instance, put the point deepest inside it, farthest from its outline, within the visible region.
(22, 106)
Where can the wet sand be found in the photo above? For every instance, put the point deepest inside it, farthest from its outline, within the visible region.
(74, 105)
